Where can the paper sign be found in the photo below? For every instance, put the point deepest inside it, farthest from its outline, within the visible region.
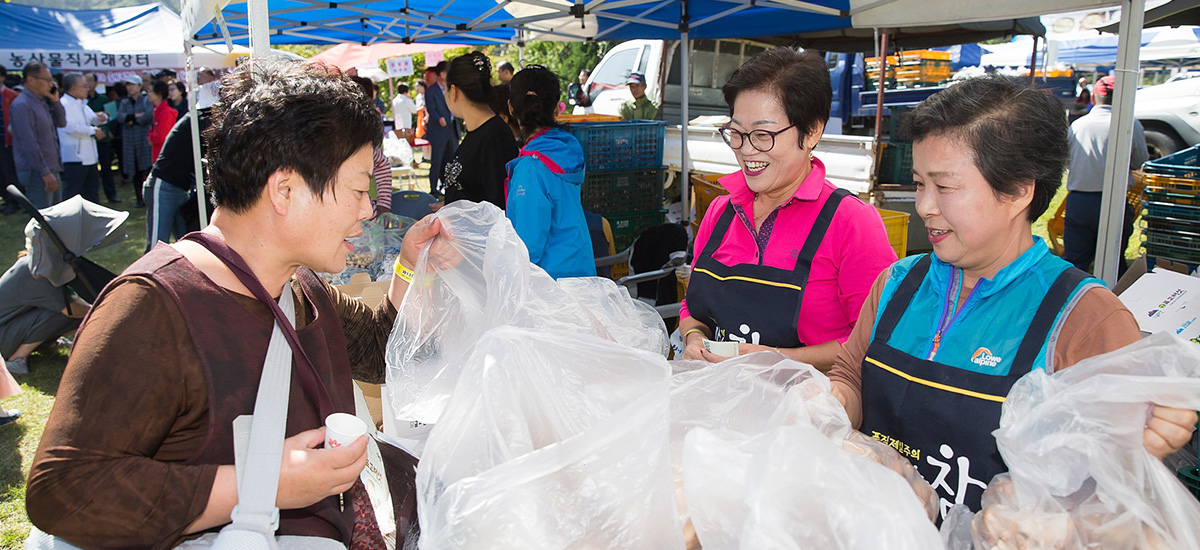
(1163, 300)
(433, 58)
(399, 66)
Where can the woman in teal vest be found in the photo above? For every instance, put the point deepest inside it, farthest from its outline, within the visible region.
(942, 337)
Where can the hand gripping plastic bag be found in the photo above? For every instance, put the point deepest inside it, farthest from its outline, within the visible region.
(1079, 474)
(494, 284)
(552, 440)
(766, 458)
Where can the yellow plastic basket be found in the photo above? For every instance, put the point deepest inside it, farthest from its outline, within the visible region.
(896, 224)
(704, 189)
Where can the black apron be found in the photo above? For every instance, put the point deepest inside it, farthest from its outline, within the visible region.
(755, 303)
(942, 417)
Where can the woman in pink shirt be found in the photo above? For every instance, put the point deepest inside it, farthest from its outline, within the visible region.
(785, 260)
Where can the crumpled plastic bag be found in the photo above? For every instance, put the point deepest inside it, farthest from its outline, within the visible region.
(494, 285)
(1079, 474)
(552, 440)
(765, 457)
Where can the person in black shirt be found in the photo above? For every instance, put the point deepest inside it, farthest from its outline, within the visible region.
(477, 170)
(174, 177)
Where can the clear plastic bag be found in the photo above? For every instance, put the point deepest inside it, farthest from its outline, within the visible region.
(494, 284)
(1079, 474)
(766, 458)
(552, 440)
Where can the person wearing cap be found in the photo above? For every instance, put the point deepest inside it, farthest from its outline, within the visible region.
(136, 113)
(1085, 178)
(640, 107)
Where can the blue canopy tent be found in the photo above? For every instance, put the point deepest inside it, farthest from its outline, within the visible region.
(464, 21)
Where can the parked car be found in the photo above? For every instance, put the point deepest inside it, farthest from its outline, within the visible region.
(1170, 113)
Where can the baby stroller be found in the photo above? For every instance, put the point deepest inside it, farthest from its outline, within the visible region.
(63, 233)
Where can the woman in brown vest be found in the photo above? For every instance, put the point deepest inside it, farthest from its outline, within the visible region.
(138, 450)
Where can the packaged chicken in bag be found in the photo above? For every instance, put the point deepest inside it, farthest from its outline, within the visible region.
(551, 440)
(1079, 474)
(491, 283)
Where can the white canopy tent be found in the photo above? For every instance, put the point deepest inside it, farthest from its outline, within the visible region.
(472, 20)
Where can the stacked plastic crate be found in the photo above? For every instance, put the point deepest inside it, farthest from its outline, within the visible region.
(911, 69)
(624, 178)
(1171, 207)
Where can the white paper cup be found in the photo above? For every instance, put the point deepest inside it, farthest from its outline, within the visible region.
(342, 429)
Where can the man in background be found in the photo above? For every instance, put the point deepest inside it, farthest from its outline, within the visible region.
(1085, 178)
(104, 145)
(640, 107)
(440, 130)
(36, 114)
(505, 71)
(77, 140)
(8, 170)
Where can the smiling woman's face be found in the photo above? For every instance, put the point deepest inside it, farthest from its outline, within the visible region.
(787, 163)
(968, 224)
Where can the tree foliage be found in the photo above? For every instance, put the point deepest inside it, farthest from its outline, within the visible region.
(565, 59)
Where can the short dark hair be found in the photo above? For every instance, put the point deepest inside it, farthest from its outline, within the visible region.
(3, 71)
(421, 85)
(70, 80)
(505, 66)
(799, 80)
(431, 70)
(501, 93)
(33, 68)
(534, 95)
(182, 87)
(160, 87)
(586, 72)
(402, 89)
(1017, 134)
(472, 74)
(285, 115)
(442, 67)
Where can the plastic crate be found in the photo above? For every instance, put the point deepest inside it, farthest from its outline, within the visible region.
(1169, 184)
(1170, 225)
(606, 192)
(1176, 211)
(1187, 241)
(896, 224)
(896, 116)
(626, 227)
(1191, 479)
(705, 188)
(568, 119)
(1173, 253)
(626, 145)
(896, 163)
(1184, 164)
(1155, 195)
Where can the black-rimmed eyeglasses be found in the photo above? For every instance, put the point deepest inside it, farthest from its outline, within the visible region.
(763, 140)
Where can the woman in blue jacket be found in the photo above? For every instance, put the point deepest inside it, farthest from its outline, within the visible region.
(545, 180)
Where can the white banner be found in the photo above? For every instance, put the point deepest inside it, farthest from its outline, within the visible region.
(399, 66)
(88, 61)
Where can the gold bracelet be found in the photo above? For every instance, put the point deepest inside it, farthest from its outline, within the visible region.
(689, 333)
(404, 273)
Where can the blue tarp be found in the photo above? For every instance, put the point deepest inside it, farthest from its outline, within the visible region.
(137, 28)
(463, 21)
(1094, 51)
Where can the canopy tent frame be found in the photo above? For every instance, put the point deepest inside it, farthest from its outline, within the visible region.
(866, 15)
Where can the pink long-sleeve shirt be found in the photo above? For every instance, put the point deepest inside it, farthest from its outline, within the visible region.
(854, 251)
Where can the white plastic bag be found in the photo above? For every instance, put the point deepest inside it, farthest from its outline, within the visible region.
(552, 440)
(1079, 475)
(766, 458)
(443, 316)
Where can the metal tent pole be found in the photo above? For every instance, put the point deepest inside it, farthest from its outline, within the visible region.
(686, 77)
(1109, 248)
(260, 27)
(194, 123)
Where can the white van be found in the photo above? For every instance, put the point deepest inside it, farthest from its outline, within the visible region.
(712, 61)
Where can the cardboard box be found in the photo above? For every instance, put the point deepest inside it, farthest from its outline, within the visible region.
(372, 294)
(1162, 299)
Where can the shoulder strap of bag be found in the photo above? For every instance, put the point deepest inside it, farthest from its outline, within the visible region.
(258, 485)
